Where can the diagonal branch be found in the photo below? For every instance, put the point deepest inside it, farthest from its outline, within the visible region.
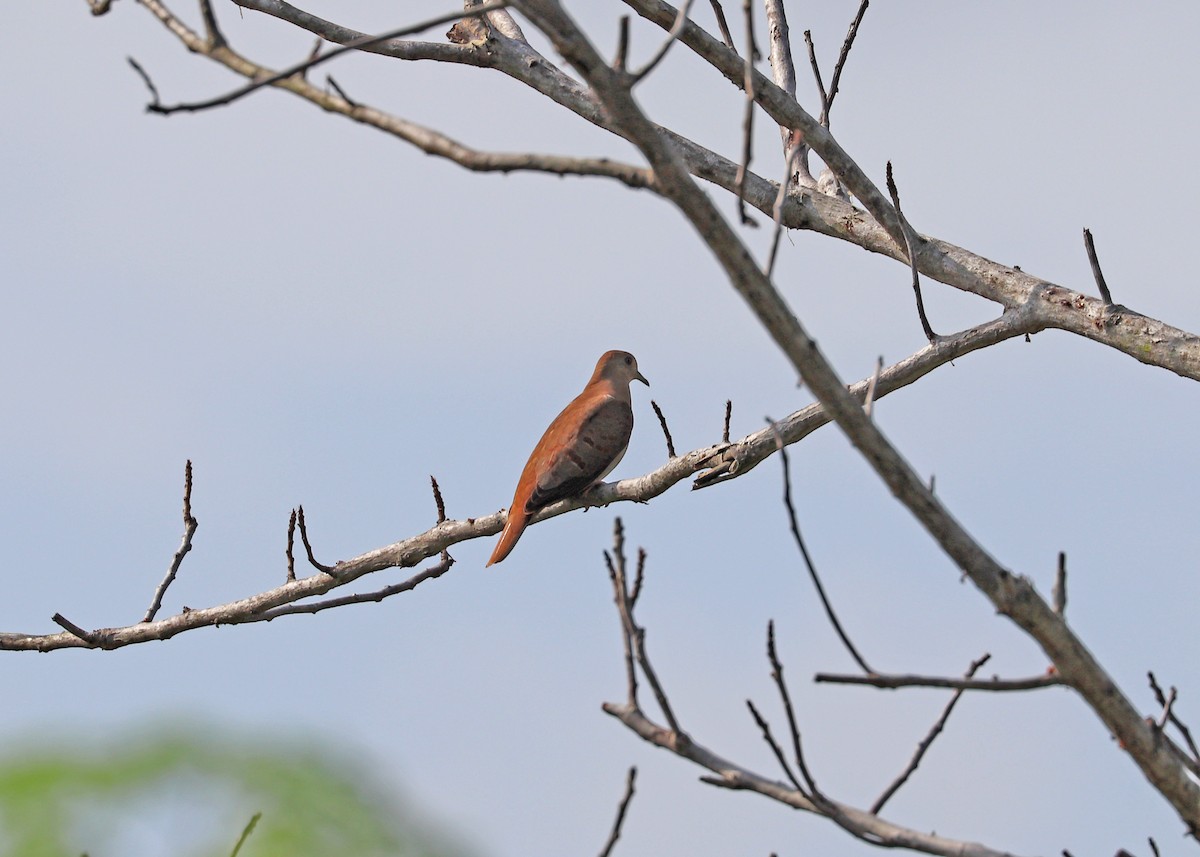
(1012, 596)
(312, 62)
(927, 741)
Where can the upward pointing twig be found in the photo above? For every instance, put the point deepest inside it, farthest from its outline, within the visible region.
(189, 529)
(812, 570)
(1090, 245)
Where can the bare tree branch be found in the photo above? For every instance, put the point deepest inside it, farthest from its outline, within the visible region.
(662, 421)
(927, 741)
(661, 53)
(827, 100)
(189, 529)
(1013, 596)
(312, 62)
(910, 241)
(622, 808)
(808, 563)
(892, 681)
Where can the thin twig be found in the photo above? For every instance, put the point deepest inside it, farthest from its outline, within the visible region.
(639, 577)
(680, 19)
(189, 529)
(765, 728)
(437, 500)
(1058, 594)
(430, 573)
(910, 245)
(893, 681)
(662, 421)
(816, 70)
(927, 741)
(311, 62)
(622, 808)
(1179, 724)
(616, 574)
(793, 723)
(621, 60)
(812, 570)
(1094, 261)
(336, 87)
(869, 401)
(246, 831)
(328, 569)
(87, 636)
(748, 118)
(291, 544)
(728, 415)
(1153, 846)
(146, 80)
(827, 103)
(723, 25)
(635, 636)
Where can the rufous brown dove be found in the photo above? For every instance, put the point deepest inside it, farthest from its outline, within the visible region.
(582, 446)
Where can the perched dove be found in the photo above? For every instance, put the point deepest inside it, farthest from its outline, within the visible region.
(582, 446)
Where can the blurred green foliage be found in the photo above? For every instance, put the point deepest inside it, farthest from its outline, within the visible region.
(191, 793)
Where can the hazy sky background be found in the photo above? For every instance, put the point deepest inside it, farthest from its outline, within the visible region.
(316, 313)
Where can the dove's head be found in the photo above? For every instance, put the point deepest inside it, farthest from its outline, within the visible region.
(619, 367)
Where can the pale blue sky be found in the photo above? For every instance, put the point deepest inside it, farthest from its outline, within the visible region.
(315, 313)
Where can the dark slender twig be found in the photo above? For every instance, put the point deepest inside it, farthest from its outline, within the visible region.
(291, 544)
(616, 574)
(246, 831)
(681, 18)
(927, 741)
(1179, 724)
(892, 682)
(728, 415)
(437, 500)
(662, 421)
(1153, 846)
(748, 118)
(723, 25)
(869, 401)
(1059, 593)
(621, 60)
(638, 577)
(622, 808)
(333, 84)
(430, 573)
(812, 570)
(816, 70)
(189, 529)
(635, 636)
(793, 723)
(146, 80)
(300, 68)
(66, 624)
(841, 62)
(328, 569)
(1094, 261)
(910, 240)
(765, 728)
